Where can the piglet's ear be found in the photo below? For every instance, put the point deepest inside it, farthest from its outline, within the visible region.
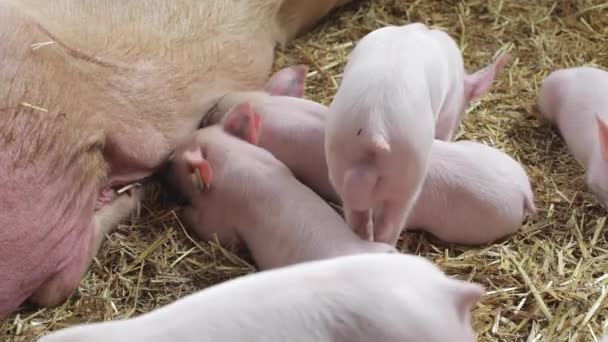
(200, 169)
(479, 83)
(602, 126)
(290, 81)
(243, 122)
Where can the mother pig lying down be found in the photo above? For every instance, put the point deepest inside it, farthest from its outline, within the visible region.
(245, 194)
(359, 298)
(94, 96)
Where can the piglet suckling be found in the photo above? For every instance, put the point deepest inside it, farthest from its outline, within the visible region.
(247, 195)
(576, 101)
(357, 298)
(473, 194)
(293, 129)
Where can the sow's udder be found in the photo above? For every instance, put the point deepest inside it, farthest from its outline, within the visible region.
(107, 195)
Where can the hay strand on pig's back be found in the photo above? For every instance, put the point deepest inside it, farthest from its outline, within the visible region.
(544, 283)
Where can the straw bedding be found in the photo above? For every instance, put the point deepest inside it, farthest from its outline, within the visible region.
(545, 283)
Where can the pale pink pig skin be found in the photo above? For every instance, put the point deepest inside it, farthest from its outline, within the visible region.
(459, 86)
(455, 87)
(380, 128)
(253, 198)
(357, 298)
(293, 129)
(473, 194)
(402, 87)
(576, 101)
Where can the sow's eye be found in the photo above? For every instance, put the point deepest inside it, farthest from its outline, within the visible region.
(94, 143)
(95, 146)
(91, 157)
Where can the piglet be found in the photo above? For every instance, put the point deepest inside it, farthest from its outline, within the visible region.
(293, 129)
(402, 86)
(380, 128)
(576, 101)
(247, 195)
(473, 194)
(356, 298)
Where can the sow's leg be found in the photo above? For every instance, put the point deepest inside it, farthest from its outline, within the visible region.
(58, 288)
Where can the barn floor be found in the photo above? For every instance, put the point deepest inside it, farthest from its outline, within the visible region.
(546, 283)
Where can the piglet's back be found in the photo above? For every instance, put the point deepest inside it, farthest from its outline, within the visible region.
(324, 301)
(564, 90)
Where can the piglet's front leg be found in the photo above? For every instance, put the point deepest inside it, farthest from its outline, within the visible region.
(108, 217)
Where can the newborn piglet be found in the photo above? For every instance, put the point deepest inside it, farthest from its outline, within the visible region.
(576, 101)
(357, 298)
(473, 194)
(293, 129)
(381, 126)
(247, 195)
(402, 87)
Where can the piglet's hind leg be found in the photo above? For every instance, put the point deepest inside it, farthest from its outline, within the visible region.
(360, 222)
(390, 221)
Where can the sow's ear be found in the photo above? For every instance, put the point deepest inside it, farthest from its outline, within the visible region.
(290, 81)
(243, 122)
